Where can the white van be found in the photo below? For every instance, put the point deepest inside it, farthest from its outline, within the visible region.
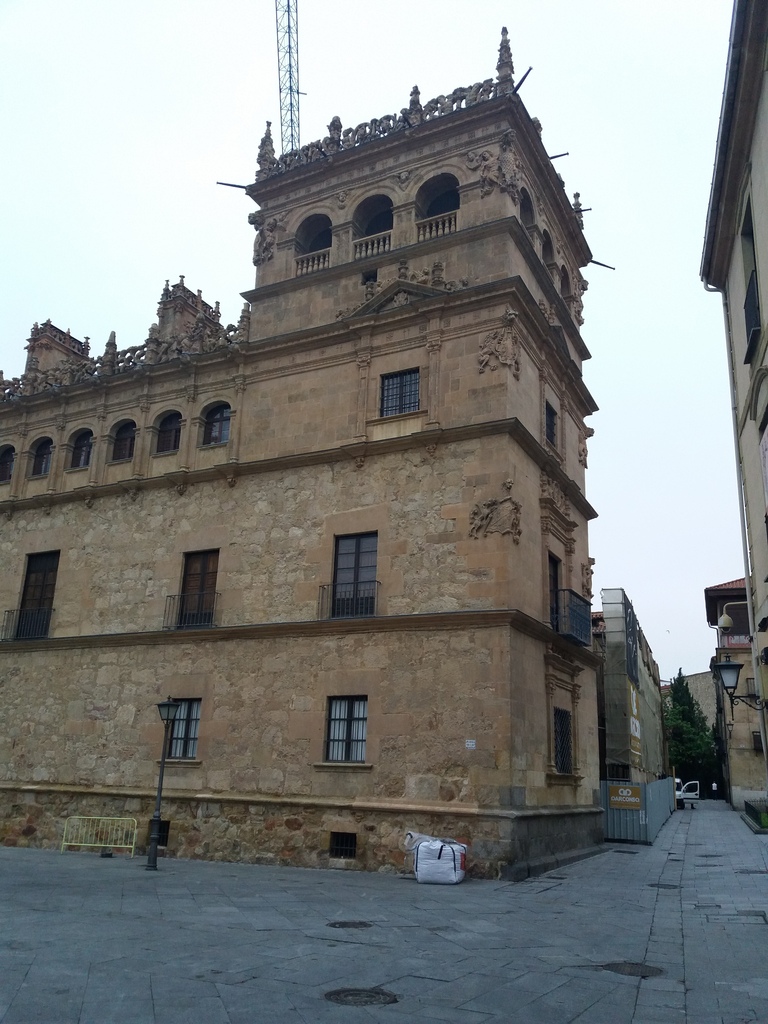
(686, 794)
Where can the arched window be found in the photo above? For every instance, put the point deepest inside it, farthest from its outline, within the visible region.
(372, 217)
(125, 439)
(527, 216)
(7, 457)
(438, 195)
(169, 433)
(82, 446)
(565, 283)
(41, 458)
(547, 250)
(314, 234)
(216, 425)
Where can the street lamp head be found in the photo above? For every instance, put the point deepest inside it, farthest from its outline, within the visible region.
(168, 709)
(728, 672)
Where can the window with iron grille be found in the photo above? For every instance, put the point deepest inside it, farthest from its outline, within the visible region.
(216, 426)
(343, 845)
(169, 433)
(550, 424)
(554, 588)
(563, 741)
(184, 732)
(346, 729)
(400, 392)
(354, 576)
(124, 443)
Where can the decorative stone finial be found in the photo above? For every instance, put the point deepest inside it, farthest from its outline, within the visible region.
(505, 68)
(266, 156)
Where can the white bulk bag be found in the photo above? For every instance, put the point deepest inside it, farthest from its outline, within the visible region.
(440, 861)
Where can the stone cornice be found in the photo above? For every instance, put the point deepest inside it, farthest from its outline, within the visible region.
(336, 803)
(423, 622)
(232, 471)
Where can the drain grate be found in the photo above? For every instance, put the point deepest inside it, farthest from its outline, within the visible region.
(634, 970)
(350, 924)
(709, 856)
(361, 997)
(662, 885)
(750, 871)
(632, 853)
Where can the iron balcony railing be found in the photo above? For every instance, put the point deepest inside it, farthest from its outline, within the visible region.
(348, 600)
(752, 317)
(191, 611)
(574, 617)
(26, 623)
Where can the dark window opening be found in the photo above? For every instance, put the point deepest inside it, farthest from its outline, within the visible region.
(7, 457)
(563, 742)
(343, 845)
(554, 587)
(346, 729)
(216, 427)
(752, 320)
(527, 216)
(197, 601)
(354, 576)
(565, 283)
(369, 277)
(37, 597)
(547, 251)
(400, 392)
(185, 729)
(41, 459)
(169, 433)
(373, 216)
(437, 196)
(757, 742)
(314, 234)
(124, 443)
(82, 448)
(550, 424)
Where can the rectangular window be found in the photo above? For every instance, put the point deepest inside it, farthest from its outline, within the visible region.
(563, 742)
(554, 587)
(400, 392)
(550, 426)
(197, 601)
(184, 732)
(37, 597)
(354, 576)
(345, 734)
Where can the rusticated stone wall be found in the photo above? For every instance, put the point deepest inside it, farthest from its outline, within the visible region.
(293, 834)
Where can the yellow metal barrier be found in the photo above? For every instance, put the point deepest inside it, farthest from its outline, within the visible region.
(112, 833)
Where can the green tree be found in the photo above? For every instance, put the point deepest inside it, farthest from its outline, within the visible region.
(690, 740)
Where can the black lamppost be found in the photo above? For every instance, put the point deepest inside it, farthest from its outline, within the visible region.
(167, 709)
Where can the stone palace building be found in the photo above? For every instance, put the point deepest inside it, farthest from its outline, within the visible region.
(348, 533)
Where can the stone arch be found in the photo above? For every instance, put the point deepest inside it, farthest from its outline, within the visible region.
(314, 234)
(7, 459)
(547, 248)
(373, 216)
(527, 213)
(42, 453)
(438, 195)
(81, 448)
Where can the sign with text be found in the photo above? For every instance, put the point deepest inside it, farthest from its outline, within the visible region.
(624, 798)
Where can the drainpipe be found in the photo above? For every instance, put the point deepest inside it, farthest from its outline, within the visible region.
(758, 676)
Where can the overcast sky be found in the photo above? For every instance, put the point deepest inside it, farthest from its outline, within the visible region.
(119, 118)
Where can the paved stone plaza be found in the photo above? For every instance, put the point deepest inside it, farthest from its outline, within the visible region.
(102, 941)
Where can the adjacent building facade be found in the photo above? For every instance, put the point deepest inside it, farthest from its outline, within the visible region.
(735, 263)
(348, 533)
(738, 728)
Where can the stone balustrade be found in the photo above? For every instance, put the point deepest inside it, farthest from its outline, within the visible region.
(373, 245)
(313, 262)
(436, 227)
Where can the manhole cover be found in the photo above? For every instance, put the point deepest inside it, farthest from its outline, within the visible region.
(634, 970)
(662, 885)
(350, 924)
(361, 996)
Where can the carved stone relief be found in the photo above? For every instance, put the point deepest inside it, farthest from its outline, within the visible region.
(497, 515)
(502, 346)
(584, 436)
(586, 578)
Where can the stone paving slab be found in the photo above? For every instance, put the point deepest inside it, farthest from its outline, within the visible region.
(90, 940)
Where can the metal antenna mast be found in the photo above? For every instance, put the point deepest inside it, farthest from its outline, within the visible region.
(288, 71)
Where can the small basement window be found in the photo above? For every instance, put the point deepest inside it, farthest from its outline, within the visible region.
(343, 845)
